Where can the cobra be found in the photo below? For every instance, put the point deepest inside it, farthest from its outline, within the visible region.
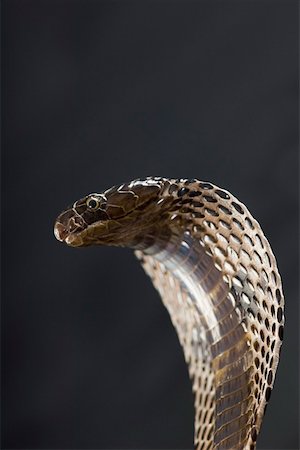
(216, 275)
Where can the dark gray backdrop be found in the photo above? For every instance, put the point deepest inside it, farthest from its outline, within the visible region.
(100, 92)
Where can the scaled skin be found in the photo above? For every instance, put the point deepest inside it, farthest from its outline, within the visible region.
(217, 276)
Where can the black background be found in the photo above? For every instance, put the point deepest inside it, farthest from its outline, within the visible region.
(101, 92)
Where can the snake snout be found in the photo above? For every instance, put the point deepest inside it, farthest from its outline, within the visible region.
(68, 223)
(60, 231)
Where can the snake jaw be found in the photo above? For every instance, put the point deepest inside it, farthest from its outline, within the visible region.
(63, 234)
(74, 240)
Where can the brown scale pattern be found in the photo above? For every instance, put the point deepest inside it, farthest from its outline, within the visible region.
(232, 389)
(217, 276)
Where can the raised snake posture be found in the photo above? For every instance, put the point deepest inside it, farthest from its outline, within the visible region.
(217, 276)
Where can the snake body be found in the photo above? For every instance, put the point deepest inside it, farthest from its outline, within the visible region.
(217, 276)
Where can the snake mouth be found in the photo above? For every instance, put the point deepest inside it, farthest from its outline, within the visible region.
(68, 225)
(62, 234)
(70, 234)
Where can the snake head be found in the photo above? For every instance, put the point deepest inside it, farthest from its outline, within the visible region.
(112, 217)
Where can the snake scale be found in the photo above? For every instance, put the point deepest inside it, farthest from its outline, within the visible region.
(217, 276)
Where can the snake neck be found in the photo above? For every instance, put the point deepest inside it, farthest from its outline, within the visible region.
(210, 329)
(217, 276)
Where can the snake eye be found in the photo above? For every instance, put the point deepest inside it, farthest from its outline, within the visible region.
(92, 203)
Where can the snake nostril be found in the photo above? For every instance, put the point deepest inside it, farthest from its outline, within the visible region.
(75, 224)
(72, 225)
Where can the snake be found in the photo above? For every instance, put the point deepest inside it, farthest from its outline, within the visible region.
(216, 274)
